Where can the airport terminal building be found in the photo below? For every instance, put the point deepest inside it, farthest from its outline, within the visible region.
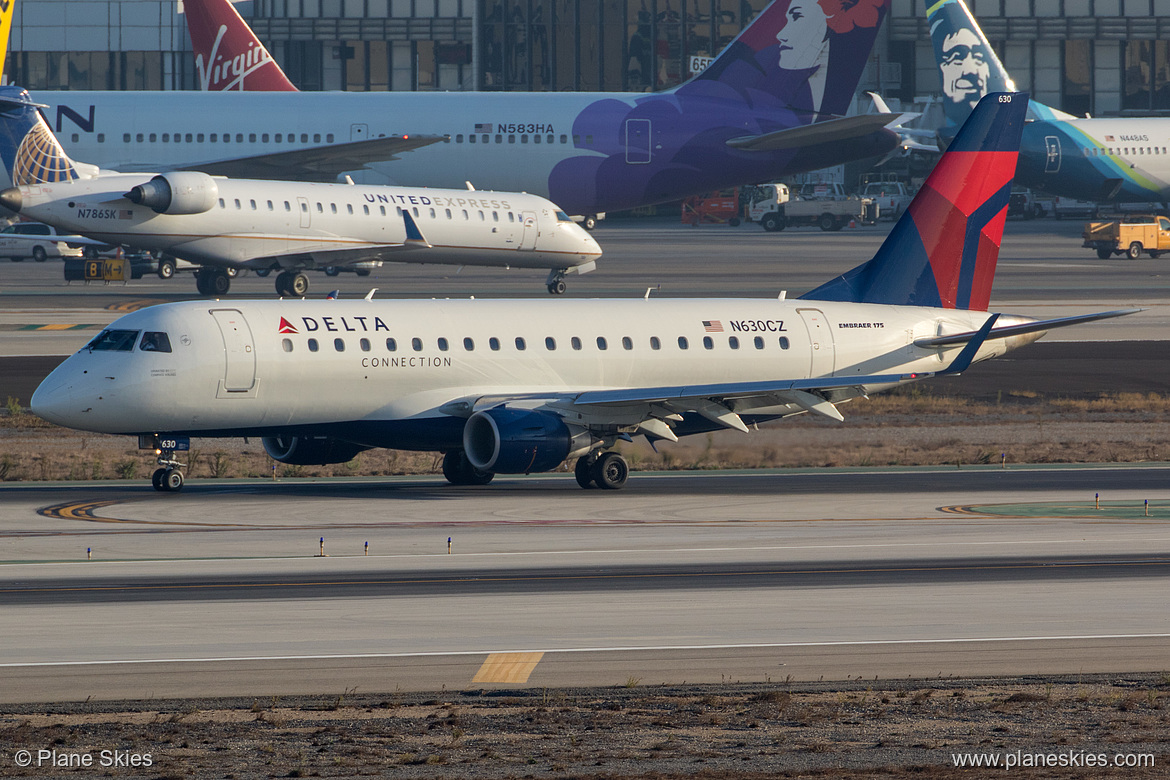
(1104, 57)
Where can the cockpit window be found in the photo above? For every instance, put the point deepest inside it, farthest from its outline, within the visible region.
(113, 341)
(155, 341)
(563, 217)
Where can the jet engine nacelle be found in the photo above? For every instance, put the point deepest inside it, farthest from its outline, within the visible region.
(310, 450)
(178, 192)
(520, 441)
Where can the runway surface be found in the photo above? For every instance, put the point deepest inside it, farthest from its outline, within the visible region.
(682, 577)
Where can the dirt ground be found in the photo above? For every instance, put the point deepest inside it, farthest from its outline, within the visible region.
(874, 729)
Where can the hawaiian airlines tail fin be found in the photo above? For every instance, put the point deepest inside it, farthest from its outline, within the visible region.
(28, 148)
(228, 55)
(6, 8)
(923, 262)
(968, 64)
(809, 54)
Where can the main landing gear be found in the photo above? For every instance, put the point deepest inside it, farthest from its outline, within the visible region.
(212, 281)
(607, 470)
(167, 477)
(459, 471)
(556, 282)
(292, 284)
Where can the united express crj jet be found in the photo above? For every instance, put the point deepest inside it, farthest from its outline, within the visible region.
(284, 226)
(772, 104)
(1104, 160)
(519, 386)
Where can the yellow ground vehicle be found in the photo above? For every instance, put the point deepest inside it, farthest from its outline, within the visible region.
(1129, 235)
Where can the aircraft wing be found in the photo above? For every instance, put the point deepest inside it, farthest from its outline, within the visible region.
(320, 163)
(1027, 327)
(829, 131)
(651, 409)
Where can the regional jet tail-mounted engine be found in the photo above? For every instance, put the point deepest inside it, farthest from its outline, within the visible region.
(178, 192)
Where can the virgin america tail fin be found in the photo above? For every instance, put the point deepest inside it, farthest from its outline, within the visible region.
(228, 55)
(943, 250)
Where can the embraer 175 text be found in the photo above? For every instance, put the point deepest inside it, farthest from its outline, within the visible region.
(771, 104)
(1107, 160)
(286, 226)
(513, 386)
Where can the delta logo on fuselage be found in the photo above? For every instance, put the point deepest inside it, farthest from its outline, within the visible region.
(329, 325)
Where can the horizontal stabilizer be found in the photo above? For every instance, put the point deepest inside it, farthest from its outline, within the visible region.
(963, 361)
(1024, 328)
(830, 131)
(320, 163)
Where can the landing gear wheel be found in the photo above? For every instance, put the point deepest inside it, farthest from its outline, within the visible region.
(39, 254)
(1134, 251)
(156, 479)
(282, 283)
(166, 268)
(218, 282)
(611, 471)
(589, 223)
(557, 288)
(457, 470)
(298, 285)
(201, 282)
(332, 270)
(263, 272)
(172, 480)
(584, 472)
(1104, 254)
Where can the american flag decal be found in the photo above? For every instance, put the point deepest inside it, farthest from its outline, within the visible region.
(286, 326)
(125, 214)
(712, 326)
(1109, 139)
(483, 128)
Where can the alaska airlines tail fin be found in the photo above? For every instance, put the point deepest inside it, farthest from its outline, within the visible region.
(30, 151)
(809, 54)
(968, 64)
(228, 55)
(6, 9)
(923, 262)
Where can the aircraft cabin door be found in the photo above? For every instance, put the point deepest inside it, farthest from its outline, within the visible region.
(1052, 154)
(359, 132)
(529, 230)
(637, 141)
(303, 207)
(820, 337)
(239, 374)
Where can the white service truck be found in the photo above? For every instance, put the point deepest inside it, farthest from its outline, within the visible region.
(772, 207)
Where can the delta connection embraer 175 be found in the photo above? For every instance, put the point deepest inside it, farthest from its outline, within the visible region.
(1100, 159)
(508, 386)
(771, 104)
(287, 226)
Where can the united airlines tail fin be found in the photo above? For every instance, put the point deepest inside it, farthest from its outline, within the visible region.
(943, 250)
(967, 63)
(28, 148)
(809, 54)
(228, 55)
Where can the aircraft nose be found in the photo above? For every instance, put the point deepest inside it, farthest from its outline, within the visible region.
(53, 400)
(11, 199)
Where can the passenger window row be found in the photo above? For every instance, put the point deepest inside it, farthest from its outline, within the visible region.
(430, 212)
(198, 138)
(486, 138)
(521, 344)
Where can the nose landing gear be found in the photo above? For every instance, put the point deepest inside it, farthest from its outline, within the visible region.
(167, 477)
(556, 282)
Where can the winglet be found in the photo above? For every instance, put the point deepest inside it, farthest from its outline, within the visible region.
(963, 361)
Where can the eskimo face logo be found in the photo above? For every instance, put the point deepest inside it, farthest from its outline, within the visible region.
(40, 159)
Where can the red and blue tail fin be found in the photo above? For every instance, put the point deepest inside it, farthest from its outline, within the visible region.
(228, 55)
(943, 250)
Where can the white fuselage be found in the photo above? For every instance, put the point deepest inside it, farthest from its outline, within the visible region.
(263, 223)
(253, 367)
